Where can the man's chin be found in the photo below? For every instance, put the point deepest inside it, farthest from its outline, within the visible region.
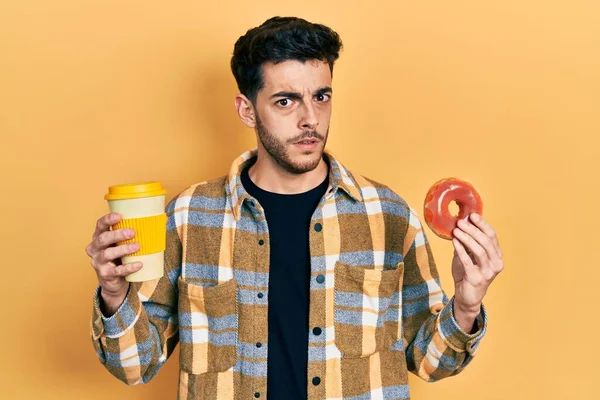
(306, 162)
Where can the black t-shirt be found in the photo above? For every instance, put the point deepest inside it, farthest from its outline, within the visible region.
(288, 218)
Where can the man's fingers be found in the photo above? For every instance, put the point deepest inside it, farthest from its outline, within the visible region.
(109, 238)
(479, 222)
(89, 251)
(126, 269)
(110, 271)
(462, 253)
(112, 253)
(475, 271)
(481, 238)
(106, 272)
(471, 245)
(104, 223)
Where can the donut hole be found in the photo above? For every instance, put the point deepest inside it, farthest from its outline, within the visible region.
(453, 208)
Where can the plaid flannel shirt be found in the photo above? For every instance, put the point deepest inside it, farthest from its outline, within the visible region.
(375, 294)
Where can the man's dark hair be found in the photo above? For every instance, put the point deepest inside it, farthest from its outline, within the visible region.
(280, 39)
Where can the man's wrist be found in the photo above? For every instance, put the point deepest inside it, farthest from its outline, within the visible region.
(110, 303)
(466, 316)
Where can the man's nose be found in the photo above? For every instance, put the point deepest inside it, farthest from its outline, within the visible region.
(309, 118)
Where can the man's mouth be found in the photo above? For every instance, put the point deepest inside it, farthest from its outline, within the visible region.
(308, 141)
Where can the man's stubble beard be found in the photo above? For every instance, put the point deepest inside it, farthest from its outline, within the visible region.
(278, 150)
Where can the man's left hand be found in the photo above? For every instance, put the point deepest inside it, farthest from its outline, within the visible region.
(477, 261)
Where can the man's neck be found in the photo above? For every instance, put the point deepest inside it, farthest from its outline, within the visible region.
(270, 176)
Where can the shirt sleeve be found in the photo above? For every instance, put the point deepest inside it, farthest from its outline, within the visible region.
(135, 342)
(436, 347)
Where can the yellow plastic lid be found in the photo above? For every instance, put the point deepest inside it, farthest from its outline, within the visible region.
(134, 191)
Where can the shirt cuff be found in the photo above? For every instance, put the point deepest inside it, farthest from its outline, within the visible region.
(120, 322)
(454, 336)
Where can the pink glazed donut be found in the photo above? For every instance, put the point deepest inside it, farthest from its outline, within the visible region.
(440, 195)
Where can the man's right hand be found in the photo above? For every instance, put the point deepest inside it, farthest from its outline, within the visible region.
(106, 259)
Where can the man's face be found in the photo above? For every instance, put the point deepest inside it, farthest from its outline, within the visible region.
(293, 110)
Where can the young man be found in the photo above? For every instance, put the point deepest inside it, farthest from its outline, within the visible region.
(291, 277)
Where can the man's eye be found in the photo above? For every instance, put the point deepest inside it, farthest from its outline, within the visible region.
(284, 102)
(322, 97)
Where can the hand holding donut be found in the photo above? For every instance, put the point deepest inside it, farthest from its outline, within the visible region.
(477, 255)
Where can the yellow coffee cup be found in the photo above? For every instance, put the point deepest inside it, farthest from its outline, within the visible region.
(142, 206)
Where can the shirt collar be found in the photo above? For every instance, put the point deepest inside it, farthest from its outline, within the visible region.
(339, 177)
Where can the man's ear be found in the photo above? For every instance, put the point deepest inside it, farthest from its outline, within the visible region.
(245, 110)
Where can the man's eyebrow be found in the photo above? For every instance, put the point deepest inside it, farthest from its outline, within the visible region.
(324, 90)
(297, 96)
(289, 95)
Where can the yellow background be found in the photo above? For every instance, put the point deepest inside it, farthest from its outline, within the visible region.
(504, 93)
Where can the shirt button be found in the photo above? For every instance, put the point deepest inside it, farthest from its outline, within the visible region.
(257, 395)
(317, 331)
(259, 345)
(320, 278)
(318, 227)
(261, 242)
(316, 380)
(260, 295)
(251, 202)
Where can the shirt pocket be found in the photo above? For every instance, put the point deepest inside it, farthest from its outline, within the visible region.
(208, 327)
(367, 309)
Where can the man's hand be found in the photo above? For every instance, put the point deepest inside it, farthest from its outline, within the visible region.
(477, 261)
(106, 259)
